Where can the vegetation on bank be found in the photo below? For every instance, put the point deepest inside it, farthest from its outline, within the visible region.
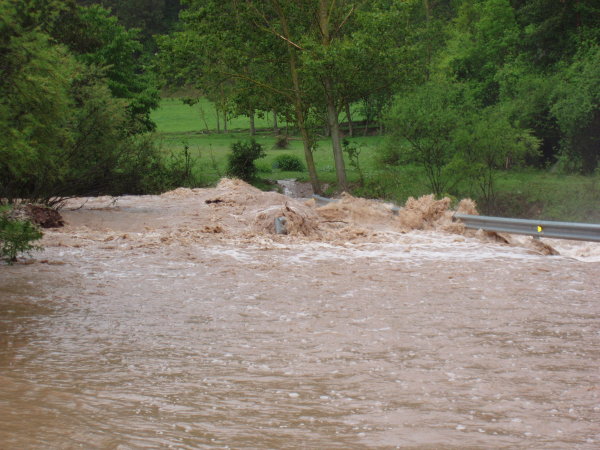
(494, 99)
(75, 103)
(16, 236)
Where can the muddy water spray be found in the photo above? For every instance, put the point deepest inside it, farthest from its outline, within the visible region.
(172, 321)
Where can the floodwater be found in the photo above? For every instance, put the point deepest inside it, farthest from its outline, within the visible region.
(169, 322)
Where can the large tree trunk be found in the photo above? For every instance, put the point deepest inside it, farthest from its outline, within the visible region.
(332, 113)
(334, 127)
(298, 104)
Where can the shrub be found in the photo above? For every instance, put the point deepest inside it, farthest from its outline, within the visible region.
(289, 163)
(142, 169)
(282, 141)
(16, 237)
(353, 151)
(426, 119)
(180, 169)
(242, 157)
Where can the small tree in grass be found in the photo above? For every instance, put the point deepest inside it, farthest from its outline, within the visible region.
(242, 157)
(425, 120)
(490, 142)
(16, 236)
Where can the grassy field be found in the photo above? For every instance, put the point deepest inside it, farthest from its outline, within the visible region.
(174, 116)
(180, 125)
(528, 193)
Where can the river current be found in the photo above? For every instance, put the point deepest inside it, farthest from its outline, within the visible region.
(134, 330)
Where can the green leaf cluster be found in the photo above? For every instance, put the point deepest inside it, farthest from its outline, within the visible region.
(242, 157)
(72, 102)
(288, 162)
(515, 83)
(16, 236)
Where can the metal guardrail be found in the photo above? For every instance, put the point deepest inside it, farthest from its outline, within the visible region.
(537, 228)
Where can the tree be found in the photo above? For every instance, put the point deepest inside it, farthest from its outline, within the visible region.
(487, 142)
(422, 123)
(63, 130)
(237, 51)
(484, 37)
(553, 30)
(96, 38)
(35, 106)
(151, 17)
(314, 55)
(577, 108)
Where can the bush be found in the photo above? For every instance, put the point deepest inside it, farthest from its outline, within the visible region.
(426, 118)
(16, 237)
(289, 163)
(142, 169)
(180, 169)
(242, 157)
(282, 141)
(68, 113)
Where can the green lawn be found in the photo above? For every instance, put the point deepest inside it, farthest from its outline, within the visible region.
(526, 193)
(174, 116)
(210, 152)
(180, 125)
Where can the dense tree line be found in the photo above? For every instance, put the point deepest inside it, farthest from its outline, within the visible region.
(74, 103)
(465, 87)
(525, 76)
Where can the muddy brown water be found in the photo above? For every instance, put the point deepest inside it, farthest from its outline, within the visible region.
(132, 330)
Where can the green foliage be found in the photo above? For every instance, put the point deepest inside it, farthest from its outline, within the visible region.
(97, 39)
(180, 169)
(487, 143)
(282, 141)
(288, 163)
(263, 167)
(577, 109)
(70, 103)
(143, 169)
(16, 236)
(353, 150)
(484, 37)
(552, 30)
(35, 114)
(455, 141)
(426, 119)
(242, 157)
(152, 17)
(300, 59)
